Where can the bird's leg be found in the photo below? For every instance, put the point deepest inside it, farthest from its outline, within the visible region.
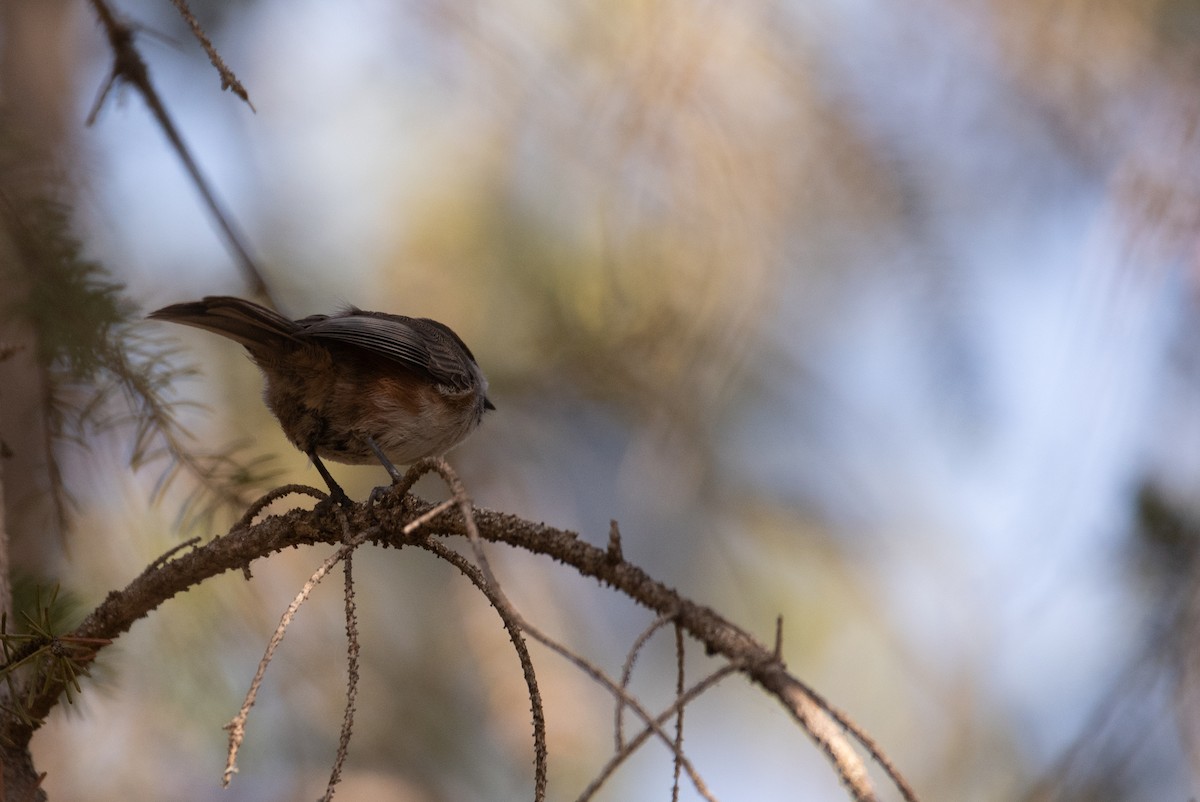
(387, 463)
(335, 490)
(378, 492)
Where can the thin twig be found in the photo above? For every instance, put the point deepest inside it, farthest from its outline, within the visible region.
(846, 723)
(486, 581)
(597, 674)
(513, 626)
(627, 671)
(273, 495)
(679, 679)
(162, 558)
(352, 649)
(429, 515)
(237, 727)
(228, 79)
(128, 66)
(632, 745)
(859, 734)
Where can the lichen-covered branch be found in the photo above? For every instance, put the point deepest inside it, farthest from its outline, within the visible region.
(383, 523)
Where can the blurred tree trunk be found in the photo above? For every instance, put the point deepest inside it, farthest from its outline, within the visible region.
(36, 65)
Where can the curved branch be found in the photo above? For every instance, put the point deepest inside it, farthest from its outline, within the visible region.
(824, 724)
(384, 522)
(513, 627)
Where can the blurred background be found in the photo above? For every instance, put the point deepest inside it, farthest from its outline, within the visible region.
(878, 316)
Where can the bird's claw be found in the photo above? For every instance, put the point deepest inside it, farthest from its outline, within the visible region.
(378, 494)
(339, 497)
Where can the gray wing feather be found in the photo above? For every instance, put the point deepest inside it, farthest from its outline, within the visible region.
(416, 343)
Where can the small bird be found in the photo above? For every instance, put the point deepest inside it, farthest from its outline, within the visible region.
(354, 386)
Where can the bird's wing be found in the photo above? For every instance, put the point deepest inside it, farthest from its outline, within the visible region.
(416, 343)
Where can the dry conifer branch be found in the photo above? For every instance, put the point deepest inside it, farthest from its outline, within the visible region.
(491, 586)
(390, 523)
(822, 723)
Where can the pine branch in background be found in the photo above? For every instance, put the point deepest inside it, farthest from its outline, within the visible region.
(143, 370)
(54, 277)
(101, 374)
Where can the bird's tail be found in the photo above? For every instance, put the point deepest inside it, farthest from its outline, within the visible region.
(248, 323)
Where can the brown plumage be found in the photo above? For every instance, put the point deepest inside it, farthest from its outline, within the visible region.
(354, 386)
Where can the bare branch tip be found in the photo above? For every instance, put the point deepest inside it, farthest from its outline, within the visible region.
(232, 85)
(171, 552)
(352, 651)
(614, 553)
(273, 495)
